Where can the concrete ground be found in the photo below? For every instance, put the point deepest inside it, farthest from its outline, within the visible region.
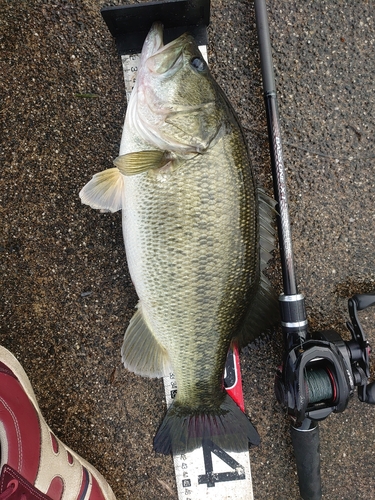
(66, 292)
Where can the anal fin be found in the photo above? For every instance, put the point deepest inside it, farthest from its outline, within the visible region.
(141, 352)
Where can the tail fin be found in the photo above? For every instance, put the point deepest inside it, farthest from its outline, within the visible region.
(182, 431)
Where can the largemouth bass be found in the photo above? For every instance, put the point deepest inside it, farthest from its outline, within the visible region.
(194, 227)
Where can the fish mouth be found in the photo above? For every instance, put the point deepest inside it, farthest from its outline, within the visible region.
(154, 40)
(160, 58)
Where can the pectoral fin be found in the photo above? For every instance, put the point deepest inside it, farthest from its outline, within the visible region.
(141, 352)
(104, 191)
(141, 161)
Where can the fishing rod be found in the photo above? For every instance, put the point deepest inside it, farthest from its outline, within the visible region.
(320, 370)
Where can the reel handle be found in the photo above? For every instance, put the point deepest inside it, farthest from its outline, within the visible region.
(364, 300)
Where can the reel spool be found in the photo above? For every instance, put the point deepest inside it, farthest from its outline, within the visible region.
(321, 385)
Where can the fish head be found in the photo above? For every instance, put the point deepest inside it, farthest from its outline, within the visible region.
(174, 104)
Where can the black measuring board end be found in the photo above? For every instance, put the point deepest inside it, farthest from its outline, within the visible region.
(129, 24)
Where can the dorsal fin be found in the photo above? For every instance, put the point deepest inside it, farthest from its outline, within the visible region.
(263, 312)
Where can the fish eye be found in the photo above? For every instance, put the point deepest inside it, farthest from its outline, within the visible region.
(198, 64)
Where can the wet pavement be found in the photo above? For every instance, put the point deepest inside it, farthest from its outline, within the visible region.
(66, 293)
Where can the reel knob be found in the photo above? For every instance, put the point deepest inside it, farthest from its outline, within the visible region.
(367, 395)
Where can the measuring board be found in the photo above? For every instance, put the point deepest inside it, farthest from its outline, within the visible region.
(208, 472)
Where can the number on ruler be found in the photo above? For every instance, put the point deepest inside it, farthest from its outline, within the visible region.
(211, 477)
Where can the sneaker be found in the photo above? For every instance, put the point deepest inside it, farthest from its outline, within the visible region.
(34, 463)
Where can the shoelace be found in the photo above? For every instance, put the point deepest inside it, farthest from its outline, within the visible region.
(11, 488)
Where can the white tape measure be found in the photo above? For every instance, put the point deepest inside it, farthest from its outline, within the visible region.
(130, 68)
(208, 472)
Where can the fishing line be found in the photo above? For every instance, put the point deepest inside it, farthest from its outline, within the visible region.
(319, 384)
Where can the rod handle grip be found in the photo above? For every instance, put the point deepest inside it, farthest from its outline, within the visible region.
(307, 454)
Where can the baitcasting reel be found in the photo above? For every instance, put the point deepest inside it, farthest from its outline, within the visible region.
(320, 372)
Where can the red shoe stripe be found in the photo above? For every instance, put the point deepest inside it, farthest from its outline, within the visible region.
(56, 488)
(70, 458)
(85, 484)
(55, 444)
(96, 491)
